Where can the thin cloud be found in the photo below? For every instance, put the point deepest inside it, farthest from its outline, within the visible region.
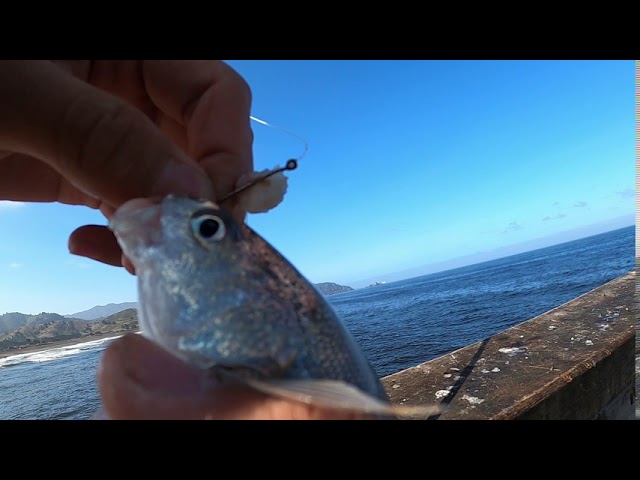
(513, 227)
(556, 217)
(16, 265)
(580, 204)
(627, 193)
(9, 205)
(79, 264)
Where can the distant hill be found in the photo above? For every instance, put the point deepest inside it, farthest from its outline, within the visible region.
(329, 288)
(103, 311)
(12, 321)
(57, 329)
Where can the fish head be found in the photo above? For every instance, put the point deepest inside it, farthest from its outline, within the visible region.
(215, 294)
(203, 294)
(150, 229)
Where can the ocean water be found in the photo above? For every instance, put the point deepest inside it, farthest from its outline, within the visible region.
(398, 325)
(54, 384)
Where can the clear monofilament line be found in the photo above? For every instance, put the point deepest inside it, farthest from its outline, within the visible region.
(291, 164)
(289, 132)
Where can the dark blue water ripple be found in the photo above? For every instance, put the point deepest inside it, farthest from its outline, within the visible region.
(60, 389)
(405, 323)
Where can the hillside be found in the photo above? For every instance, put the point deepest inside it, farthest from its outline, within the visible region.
(329, 288)
(56, 330)
(103, 311)
(12, 321)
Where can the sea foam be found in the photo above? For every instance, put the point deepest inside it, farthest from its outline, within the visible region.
(54, 353)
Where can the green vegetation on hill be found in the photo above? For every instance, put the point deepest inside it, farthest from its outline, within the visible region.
(13, 321)
(49, 328)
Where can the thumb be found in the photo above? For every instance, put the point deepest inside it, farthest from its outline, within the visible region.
(104, 146)
(139, 380)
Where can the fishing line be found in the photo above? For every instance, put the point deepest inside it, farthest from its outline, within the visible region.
(288, 132)
(291, 164)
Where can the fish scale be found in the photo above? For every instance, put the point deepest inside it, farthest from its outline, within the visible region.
(236, 302)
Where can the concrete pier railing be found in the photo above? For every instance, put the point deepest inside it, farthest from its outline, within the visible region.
(576, 361)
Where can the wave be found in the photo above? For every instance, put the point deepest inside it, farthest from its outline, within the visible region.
(54, 353)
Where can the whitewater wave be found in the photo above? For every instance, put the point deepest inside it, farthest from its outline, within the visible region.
(54, 353)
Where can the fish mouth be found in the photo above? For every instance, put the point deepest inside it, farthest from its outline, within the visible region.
(136, 225)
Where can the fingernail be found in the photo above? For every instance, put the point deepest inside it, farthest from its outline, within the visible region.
(154, 369)
(181, 178)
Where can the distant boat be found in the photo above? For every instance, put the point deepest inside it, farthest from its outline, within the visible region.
(375, 284)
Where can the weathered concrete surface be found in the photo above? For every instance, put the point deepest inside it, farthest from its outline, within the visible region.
(573, 362)
(637, 359)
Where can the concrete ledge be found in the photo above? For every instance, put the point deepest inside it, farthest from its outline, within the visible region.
(573, 362)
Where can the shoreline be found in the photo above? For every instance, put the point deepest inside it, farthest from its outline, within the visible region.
(60, 343)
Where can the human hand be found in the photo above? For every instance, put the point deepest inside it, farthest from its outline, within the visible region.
(139, 380)
(98, 133)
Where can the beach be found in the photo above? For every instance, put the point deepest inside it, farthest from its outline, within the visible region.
(59, 343)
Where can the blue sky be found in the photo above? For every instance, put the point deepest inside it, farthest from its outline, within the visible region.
(411, 166)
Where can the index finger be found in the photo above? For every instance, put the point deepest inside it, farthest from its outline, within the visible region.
(213, 103)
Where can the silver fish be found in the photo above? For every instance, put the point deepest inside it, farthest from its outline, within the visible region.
(217, 295)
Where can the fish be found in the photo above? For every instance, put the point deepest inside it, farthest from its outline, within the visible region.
(217, 295)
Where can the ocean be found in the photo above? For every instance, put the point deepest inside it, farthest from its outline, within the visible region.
(398, 325)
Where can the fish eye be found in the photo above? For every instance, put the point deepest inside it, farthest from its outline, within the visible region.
(208, 227)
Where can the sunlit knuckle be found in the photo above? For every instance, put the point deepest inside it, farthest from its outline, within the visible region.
(240, 88)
